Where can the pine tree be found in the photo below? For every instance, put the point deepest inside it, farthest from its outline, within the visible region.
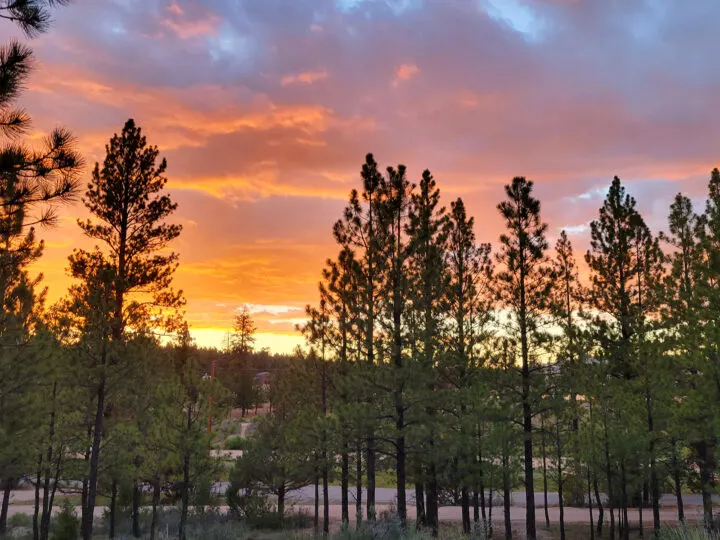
(523, 290)
(469, 269)
(128, 284)
(428, 232)
(243, 337)
(30, 178)
(361, 230)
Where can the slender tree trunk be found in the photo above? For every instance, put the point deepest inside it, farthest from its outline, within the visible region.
(326, 496)
(530, 528)
(136, 510)
(590, 506)
(598, 500)
(400, 465)
(506, 491)
(370, 473)
(345, 481)
(678, 484)
(358, 485)
(85, 480)
(113, 509)
(185, 503)
(431, 509)
(705, 484)
(36, 511)
(50, 497)
(654, 483)
(281, 502)
(476, 507)
(88, 515)
(489, 524)
(465, 501)
(316, 515)
(7, 488)
(481, 471)
(609, 475)
(560, 481)
(155, 503)
(641, 525)
(419, 496)
(623, 493)
(543, 449)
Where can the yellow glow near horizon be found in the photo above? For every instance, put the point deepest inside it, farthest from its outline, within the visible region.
(277, 343)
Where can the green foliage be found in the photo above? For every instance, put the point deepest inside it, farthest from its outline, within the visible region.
(20, 519)
(66, 525)
(236, 443)
(685, 533)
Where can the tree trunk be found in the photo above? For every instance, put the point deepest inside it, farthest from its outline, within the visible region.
(560, 482)
(370, 473)
(113, 509)
(88, 514)
(623, 493)
(465, 502)
(476, 507)
(325, 479)
(155, 503)
(506, 491)
(345, 482)
(481, 471)
(544, 470)
(7, 488)
(281, 503)
(326, 498)
(590, 506)
(678, 484)
(49, 501)
(316, 515)
(182, 533)
(654, 483)
(706, 485)
(489, 525)
(598, 500)
(531, 533)
(358, 485)
(431, 509)
(36, 511)
(136, 510)
(400, 468)
(609, 476)
(419, 497)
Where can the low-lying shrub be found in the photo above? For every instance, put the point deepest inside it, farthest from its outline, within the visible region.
(19, 520)
(235, 443)
(682, 532)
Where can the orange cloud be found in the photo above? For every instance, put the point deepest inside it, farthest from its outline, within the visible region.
(307, 77)
(189, 27)
(405, 72)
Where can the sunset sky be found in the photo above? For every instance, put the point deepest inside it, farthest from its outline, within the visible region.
(265, 110)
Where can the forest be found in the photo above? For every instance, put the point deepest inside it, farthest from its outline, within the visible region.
(450, 370)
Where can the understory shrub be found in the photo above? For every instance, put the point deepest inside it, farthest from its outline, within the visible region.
(20, 519)
(66, 525)
(686, 533)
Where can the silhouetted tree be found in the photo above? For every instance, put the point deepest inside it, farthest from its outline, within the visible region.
(127, 283)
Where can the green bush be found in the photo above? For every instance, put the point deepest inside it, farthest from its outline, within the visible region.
(298, 520)
(574, 490)
(19, 520)
(235, 443)
(66, 524)
(269, 521)
(685, 533)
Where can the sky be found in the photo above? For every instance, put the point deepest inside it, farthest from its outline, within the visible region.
(265, 110)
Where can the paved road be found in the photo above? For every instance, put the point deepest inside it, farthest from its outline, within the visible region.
(389, 495)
